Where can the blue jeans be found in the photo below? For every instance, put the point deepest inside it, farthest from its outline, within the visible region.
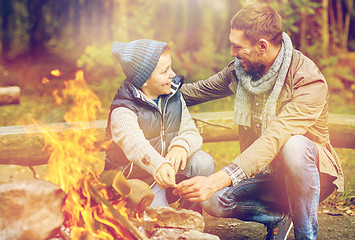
(295, 189)
(199, 164)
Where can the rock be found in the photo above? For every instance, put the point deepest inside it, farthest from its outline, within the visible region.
(30, 209)
(171, 218)
(178, 234)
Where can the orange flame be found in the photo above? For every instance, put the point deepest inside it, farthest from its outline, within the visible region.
(45, 80)
(56, 73)
(75, 165)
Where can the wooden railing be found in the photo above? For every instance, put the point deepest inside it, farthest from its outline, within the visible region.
(22, 145)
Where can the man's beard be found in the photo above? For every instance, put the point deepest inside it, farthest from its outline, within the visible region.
(255, 68)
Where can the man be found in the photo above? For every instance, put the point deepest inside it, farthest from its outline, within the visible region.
(287, 165)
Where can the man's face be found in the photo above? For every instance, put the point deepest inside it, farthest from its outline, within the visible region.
(247, 53)
(159, 82)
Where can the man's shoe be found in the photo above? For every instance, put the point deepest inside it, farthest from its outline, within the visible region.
(281, 231)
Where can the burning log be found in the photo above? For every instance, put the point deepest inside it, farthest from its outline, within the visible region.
(30, 209)
(142, 222)
(155, 221)
(137, 194)
(9, 95)
(128, 224)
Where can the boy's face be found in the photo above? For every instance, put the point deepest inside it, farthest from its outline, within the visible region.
(159, 82)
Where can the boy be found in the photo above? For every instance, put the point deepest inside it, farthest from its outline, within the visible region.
(154, 135)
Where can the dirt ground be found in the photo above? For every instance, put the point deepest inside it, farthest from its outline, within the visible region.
(333, 224)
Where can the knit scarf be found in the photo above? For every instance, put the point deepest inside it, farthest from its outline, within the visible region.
(274, 79)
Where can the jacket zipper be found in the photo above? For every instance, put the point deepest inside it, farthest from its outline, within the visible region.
(162, 129)
(162, 132)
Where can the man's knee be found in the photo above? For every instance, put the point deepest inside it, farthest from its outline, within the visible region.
(212, 205)
(296, 150)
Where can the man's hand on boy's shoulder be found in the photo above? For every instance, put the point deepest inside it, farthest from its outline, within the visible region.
(178, 157)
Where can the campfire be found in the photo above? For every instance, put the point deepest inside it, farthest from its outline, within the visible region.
(101, 204)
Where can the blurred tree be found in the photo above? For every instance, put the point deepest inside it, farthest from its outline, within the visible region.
(340, 12)
(325, 28)
(121, 29)
(6, 11)
(344, 28)
(37, 33)
(232, 7)
(196, 29)
(320, 24)
(76, 5)
(349, 6)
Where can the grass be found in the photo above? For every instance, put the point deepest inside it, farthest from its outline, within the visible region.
(31, 108)
(222, 152)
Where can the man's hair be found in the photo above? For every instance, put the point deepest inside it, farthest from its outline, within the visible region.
(259, 21)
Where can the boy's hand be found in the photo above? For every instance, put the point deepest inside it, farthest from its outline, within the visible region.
(177, 156)
(165, 176)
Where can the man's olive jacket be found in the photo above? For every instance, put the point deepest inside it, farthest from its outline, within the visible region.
(302, 110)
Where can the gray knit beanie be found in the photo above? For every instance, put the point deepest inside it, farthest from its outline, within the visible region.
(138, 59)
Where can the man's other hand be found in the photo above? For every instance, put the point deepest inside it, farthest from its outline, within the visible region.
(201, 188)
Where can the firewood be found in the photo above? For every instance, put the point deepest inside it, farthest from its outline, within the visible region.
(141, 196)
(137, 193)
(9, 95)
(124, 221)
